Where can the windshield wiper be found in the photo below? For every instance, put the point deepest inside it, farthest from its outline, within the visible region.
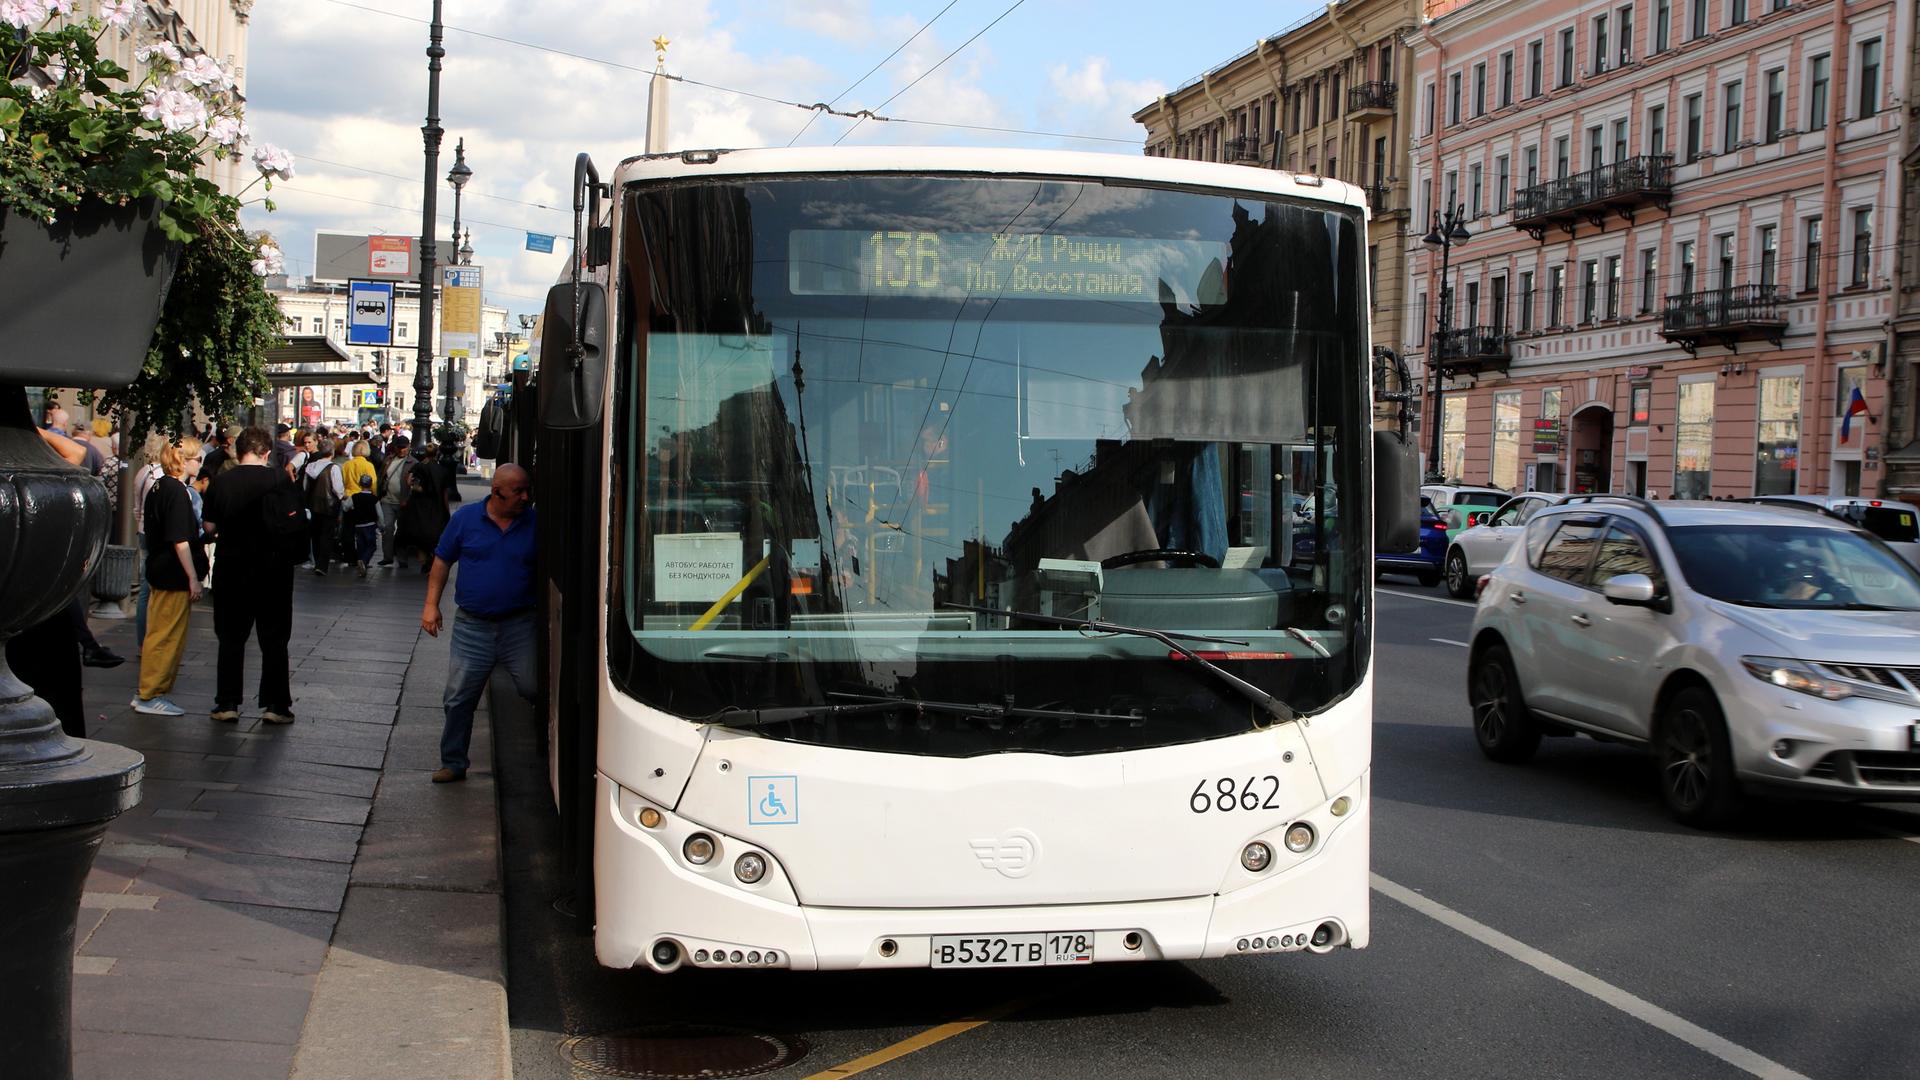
(747, 719)
(869, 704)
(987, 709)
(1273, 706)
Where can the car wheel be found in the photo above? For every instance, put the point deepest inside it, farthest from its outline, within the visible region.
(1502, 726)
(1429, 578)
(1696, 761)
(1458, 584)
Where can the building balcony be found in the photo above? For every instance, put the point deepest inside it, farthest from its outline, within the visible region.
(1724, 317)
(1380, 198)
(1473, 350)
(1371, 101)
(1619, 188)
(1242, 150)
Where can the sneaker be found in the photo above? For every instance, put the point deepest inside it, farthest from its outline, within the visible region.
(102, 657)
(277, 716)
(360, 570)
(389, 562)
(224, 714)
(449, 776)
(157, 706)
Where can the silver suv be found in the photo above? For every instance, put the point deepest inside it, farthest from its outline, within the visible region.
(1750, 648)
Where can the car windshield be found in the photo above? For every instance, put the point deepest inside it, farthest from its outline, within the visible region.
(1788, 566)
(869, 420)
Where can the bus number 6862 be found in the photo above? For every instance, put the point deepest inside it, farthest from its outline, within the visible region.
(1223, 795)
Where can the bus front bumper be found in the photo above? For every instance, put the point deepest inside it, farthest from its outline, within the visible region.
(654, 909)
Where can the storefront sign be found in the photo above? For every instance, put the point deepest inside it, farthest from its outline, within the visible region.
(1546, 436)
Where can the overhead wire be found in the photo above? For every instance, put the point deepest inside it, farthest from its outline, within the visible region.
(883, 63)
(934, 68)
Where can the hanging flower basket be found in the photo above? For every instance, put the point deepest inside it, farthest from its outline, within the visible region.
(83, 294)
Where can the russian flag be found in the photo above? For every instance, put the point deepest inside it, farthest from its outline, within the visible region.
(1856, 405)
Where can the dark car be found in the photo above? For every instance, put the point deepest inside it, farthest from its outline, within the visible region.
(1424, 563)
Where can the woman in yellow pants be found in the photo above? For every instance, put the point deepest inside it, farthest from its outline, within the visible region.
(171, 533)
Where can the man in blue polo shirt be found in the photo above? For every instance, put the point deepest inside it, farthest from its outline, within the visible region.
(493, 606)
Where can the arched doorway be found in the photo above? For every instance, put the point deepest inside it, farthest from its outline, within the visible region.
(1590, 450)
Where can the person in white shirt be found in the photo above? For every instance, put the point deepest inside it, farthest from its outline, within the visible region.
(325, 488)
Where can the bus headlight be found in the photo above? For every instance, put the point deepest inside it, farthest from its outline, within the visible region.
(750, 868)
(1299, 837)
(1256, 856)
(698, 849)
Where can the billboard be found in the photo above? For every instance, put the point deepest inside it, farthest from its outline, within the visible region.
(460, 288)
(344, 257)
(370, 313)
(307, 408)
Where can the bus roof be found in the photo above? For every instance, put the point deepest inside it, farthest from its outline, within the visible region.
(987, 161)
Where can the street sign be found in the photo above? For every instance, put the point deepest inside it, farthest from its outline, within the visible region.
(344, 257)
(542, 242)
(390, 255)
(370, 399)
(460, 288)
(370, 313)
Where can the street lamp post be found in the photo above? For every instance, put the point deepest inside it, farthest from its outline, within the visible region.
(1448, 229)
(430, 135)
(458, 177)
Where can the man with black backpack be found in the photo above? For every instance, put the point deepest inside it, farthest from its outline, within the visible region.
(257, 517)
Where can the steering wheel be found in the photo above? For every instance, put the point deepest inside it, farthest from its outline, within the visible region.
(1172, 555)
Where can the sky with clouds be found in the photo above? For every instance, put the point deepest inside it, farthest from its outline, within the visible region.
(342, 84)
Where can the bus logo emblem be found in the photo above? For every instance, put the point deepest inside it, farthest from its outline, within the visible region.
(1012, 853)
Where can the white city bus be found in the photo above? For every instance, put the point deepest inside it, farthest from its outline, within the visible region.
(960, 558)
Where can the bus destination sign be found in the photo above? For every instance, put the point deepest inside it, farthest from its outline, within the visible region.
(918, 263)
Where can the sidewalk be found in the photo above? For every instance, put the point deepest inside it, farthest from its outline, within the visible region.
(299, 900)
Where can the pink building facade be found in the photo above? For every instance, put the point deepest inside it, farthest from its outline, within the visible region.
(1680, 272)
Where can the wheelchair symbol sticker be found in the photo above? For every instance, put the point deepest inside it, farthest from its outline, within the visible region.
(773, 800)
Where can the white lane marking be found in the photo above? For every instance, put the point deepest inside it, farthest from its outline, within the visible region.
(1639, 1008)
(1448, 641)
(1429, 599)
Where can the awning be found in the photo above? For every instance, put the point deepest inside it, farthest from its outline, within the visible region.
(302, 359)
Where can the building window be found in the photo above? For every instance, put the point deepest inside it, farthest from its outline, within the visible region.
(1662, 25)
(1565, 75)
(1776, 103)
(1626, 34)
(1686, 267)
(333, 397)
(293, 324)
(1373, 274)
(1596, 148)
(1506, 440)
(1526, 300)
(1599, 44)
(1698, 28)
(1693, 441)
(1533, 165)
(1420, 329)
(1589, 290)
(1736, 12)
(1649, 279)
(402, 329)
(1869, 79)
(1657, 130)
(1499, 305)
(1862, 245)
(1817, 79)
(340, 326)
(1500, 182)
(1769, 254)
(1427, 130)
(1453, 435)
(1533, 69)
(1613, 286)
(1333, 97)
(1556, 295)
(1810, 254)
(1480, 89)
(319, 324)
(1561, 151)
(1453, 99)
(1506, 78)
(1473, 188)
(1640, 407)
(1730, 117)
(1779, 437)
(1313, 105)
(1620, 140)
(1695, 111)
(1386, 63)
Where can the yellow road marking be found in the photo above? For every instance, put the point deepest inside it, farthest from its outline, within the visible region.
(921, 1041)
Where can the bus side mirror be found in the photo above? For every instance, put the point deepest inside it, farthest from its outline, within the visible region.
(1396, 492)
(573, 364)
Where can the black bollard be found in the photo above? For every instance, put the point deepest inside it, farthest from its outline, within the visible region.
(57, 794)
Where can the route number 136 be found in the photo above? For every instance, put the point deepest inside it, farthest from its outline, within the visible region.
(903, 259)
(1224, 795)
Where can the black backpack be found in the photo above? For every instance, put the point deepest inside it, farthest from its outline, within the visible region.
(284, 510)
(320, 500)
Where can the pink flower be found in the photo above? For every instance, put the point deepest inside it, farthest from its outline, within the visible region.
(270, 262)
(227, 130)
(117, 13)
(27, 14)
(273, 162)
(176, 110)
(204, 70)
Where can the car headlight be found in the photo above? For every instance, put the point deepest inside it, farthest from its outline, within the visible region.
(1794, 675)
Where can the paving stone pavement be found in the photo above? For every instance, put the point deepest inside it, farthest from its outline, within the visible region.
(206, 926)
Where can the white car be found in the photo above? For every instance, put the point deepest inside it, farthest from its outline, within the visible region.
(1477, 550)
(1897, 524)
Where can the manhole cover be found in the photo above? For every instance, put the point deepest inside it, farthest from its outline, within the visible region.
(684, 1052)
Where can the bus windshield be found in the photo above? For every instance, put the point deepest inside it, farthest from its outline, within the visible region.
(869, 422)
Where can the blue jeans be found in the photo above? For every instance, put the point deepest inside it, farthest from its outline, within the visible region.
(478, 647)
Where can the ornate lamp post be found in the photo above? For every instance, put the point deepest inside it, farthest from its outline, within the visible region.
(458, 177)
(57, 794)
(429, 269)
(1448, 229)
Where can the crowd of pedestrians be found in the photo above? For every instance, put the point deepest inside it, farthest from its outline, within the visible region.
(235, 515)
